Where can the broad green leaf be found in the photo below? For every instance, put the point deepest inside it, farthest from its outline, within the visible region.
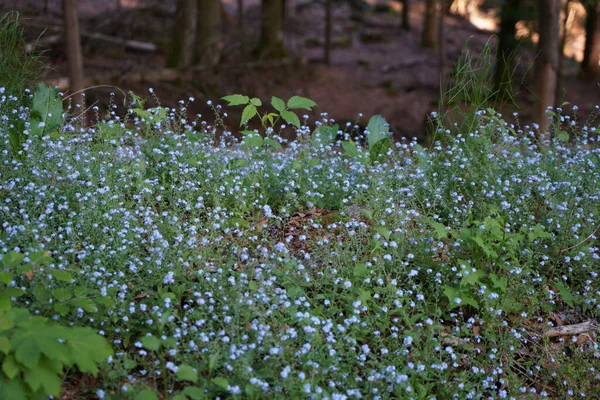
(151, 343)
(179, 396)
(13, 389)
(239, 221)
(325, 134)
(273, 143)
(186, 373)
(88, 305)
(221, 382)
(253, 142)
(440, 230)
(379, 149)
(40, 258)
(146, 395)
(12, 259)
(248, 113)
(277, 103)
(10, 366)
(291, 118)
(563, 136)
(361, 270)
(471, 277)
(4, 345)
(61, 294)
(300, 102)
(213, 362)
(378, 130)
(486, 249)
(236, 99)
(500, 283)
(565, 294)
(350, 149)
(384, 232)
(194, 393)
(256, 101)
(28, 352)
(46, 115)
(42, 376)
(62, 275)
(5, 277)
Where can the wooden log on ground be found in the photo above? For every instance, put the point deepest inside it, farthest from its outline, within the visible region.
(571, 330)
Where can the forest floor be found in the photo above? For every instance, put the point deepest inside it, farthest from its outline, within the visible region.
(376, 68)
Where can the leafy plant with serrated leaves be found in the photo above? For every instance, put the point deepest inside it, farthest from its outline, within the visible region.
(378, 140)
(35, 352)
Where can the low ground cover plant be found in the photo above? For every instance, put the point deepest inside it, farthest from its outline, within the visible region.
(338, 265)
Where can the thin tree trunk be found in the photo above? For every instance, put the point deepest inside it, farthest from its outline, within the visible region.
(208, 32)
(590, 67)
(181, 51)
(240, 7)
(546, 63)
(561, 49)
(441, 45)
(405, 25)
(429, 32)
(74, 57)
(327, 48)
(271, 31)
(507, 46)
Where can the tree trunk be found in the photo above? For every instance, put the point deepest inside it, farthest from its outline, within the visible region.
(208, 32)
(507, 46)
(74, 57)
(590, 67)
(405, 25)
(240, 7)
(441, 46)
(181, 51)
(327, 48)
(546, 63)
(562, 40)
(429, 28)
(271, 31)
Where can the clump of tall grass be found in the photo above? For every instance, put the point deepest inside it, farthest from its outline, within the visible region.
(19, 68)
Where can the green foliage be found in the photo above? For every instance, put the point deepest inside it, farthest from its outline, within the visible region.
(34, 352)
(46, 111)
(284, 110)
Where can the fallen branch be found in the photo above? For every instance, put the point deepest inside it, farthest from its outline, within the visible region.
(53, 39)
(571, 330)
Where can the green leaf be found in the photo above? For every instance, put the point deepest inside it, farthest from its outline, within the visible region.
(13, 389)
(179, 396)
(12, 259)
(256, 101)
(350, 149)
(325, 134)
(62, 276)
(563, 136)
(565, 294)
(486, 249)
(213, 362)
(46, 115)
(500, 283)
(440, 230)
(5, 277)
(239, 221)
(300, 102)
(221, 382)
(88, 305)
(273, 143)
(384, 232)
(379, 150)
(4, 345)
(151, 343)
(10, 366)
(361, 270)
(277, 103)
(248, 113)
(146, 395)
(61, 294)
(40, 258)
(253, 142)
(291, 118)
(186, 373)
(194, 393)
(28, 352)
(378, 130)
(42, 376)
(470, 277)
(236, 99)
